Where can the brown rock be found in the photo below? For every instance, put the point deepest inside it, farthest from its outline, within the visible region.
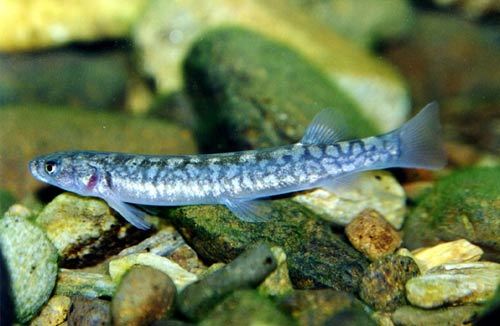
(371, 234)
(144, 295)
(85, 311)
(383, 284)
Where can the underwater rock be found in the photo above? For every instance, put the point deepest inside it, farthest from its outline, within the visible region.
(316, 307)
(383, 284)
(381, 19)
(55, 312)
(464, 77)
(459, 251)
(247, 306)
(38, 24)
(143, 296)
(54, 129)
(454, 284)
(168, 28)
(89, 312)
(48, 78)
(248, 270)
(84, 229)
(450, 316)
(32, 263)
(167, 242)
(181, 278)
(371, 234)
(462, 205)
(277, 283)
(6, 200)
(316, 256)
(79, 283)
(248, 98)
(377, 190)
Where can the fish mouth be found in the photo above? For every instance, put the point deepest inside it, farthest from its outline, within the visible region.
(35, 166)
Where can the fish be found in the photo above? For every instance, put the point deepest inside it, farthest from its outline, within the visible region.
(243, 181)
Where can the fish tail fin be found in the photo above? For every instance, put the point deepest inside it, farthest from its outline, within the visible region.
(421, 142)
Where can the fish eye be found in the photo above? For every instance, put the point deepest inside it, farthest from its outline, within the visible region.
(50, 167)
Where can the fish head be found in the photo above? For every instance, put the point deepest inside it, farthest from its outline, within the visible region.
(65, 170)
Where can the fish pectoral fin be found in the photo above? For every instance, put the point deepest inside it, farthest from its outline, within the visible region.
(255, 211)
(341, 184)
(327, 127)
(131, 213)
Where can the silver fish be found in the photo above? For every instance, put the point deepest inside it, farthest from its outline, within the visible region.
(238, 179)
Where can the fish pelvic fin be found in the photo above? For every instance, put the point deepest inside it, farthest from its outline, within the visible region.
(327, 127)
(132, 214)
(421, 143)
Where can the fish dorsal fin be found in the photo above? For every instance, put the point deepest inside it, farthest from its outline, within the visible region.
(327, 127)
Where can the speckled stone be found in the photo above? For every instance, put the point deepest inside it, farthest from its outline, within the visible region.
(383, 284)
(377, 190)
(84, 229)
(181, 277)
(449, 316)
(459, 251)
(246, 271)
(79, 283)
(169, 243)
(371, 234)
(95, 312)
(454, 284)
(32, 262)
(55, 312)
(143, 296)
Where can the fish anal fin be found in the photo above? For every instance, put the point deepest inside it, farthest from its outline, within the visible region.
(132, 214)
(254, 211)
(327, 127)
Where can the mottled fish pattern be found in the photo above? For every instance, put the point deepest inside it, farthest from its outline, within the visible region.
(237, 179)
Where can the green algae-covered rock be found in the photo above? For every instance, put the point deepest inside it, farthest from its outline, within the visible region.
(316, 257)
(465, 204)
(371, 82)
(6, 200)
(46, 129)
(249, 307)
(32, 262)
(251, 91)
(84, 229)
